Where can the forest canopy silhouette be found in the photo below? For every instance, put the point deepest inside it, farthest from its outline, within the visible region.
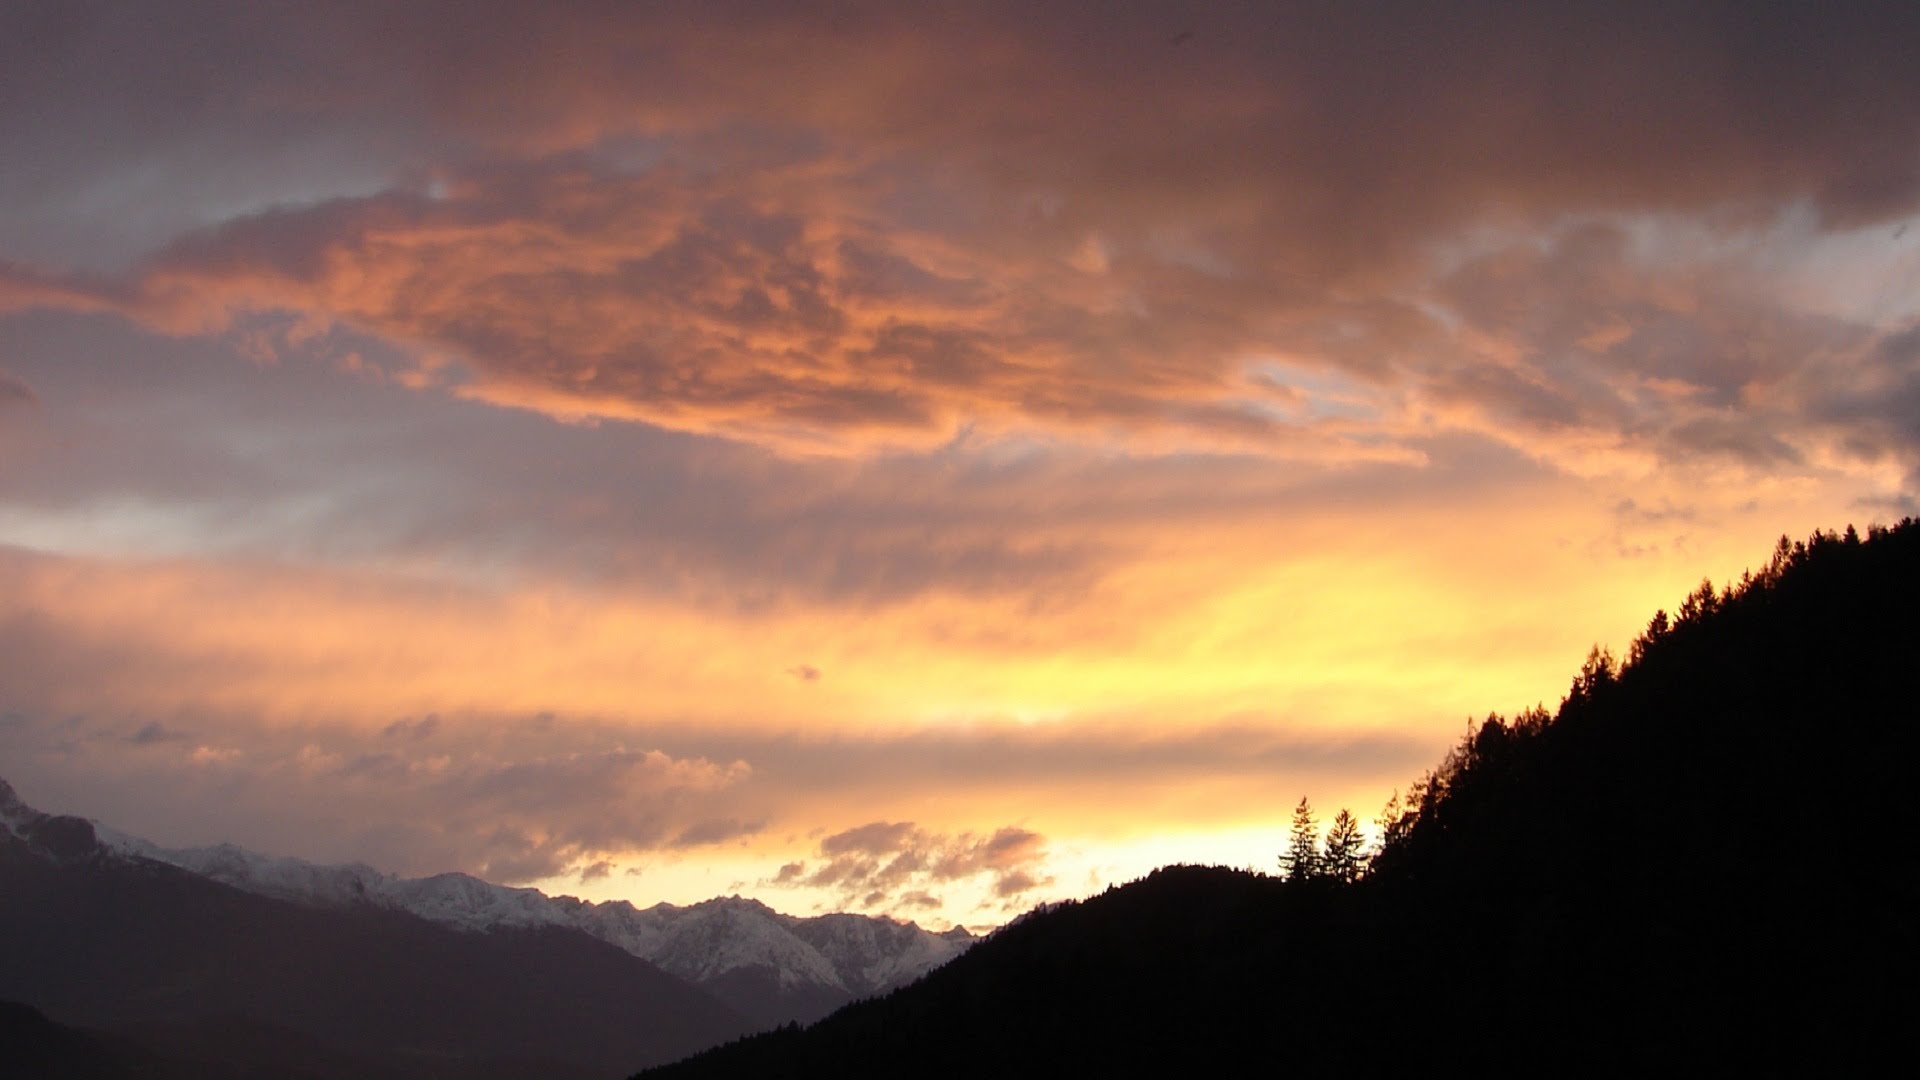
(1702, 858)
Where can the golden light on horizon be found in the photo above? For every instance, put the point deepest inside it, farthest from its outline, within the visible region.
(1053, 449)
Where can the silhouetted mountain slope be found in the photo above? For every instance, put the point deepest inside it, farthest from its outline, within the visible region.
(107, 941)
(33, 1046)
(1706, 859)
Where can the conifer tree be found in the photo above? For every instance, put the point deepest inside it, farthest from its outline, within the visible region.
(1301, 861)
(1395, 820)
(1341, 858)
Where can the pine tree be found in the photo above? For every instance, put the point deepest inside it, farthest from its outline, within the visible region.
(1301, 861)
(1341, 857)
(1395, 820)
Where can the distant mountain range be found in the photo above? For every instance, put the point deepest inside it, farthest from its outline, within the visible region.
(774, 968)
(204, 950)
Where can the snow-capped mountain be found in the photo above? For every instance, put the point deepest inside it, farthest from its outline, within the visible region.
(771, 966)
(14, 814)
(189, 976)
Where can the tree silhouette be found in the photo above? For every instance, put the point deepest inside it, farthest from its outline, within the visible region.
(1596, 674)
(1341, 857)
(1394, 820)
(1301, 861)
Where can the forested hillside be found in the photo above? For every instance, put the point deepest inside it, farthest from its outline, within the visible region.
(1704, 858)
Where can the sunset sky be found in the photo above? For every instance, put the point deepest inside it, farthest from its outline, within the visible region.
(908, 459)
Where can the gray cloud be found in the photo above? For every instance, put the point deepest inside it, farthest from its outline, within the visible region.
(1873, 408)
(152, 732)
(892, 864)
(874, 838)
(15, 393)
(1096, 751)
(410, 730)
(716, 831)
(1586, 333)
(300, 464)
(1402, 107)
(472, 801)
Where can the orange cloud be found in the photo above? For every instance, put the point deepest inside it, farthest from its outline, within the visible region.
(965, 410)
(800, 233)
(766, 307)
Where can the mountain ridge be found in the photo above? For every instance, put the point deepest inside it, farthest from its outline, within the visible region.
(141, 950)
(774, 967)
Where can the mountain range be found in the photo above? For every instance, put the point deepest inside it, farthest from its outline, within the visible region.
(446, 975)
(772, 967)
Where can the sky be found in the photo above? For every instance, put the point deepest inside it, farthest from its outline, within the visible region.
(923, 460)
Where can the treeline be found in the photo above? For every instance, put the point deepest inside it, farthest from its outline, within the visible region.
(1704, 658)
(1703, 859)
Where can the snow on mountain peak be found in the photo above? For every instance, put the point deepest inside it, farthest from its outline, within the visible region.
(14, 813)
(843, 954)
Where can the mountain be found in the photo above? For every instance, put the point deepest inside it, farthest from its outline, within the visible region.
(1704, 860)
(185, 968)
(773, 968)
(34, 1046)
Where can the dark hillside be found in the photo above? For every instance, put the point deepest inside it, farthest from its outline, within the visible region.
(207, 972)
(33, 1046)
(1704, 859)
